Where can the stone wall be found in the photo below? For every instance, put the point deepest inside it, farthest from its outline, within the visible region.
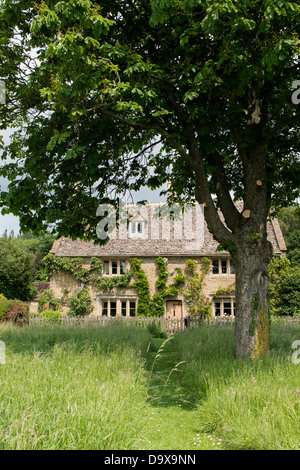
(62, 281)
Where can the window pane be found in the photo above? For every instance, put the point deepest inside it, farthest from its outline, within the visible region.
(106, 267)
(132, 224)
(104, 309)
(217, 309)
(139, 227)
(122, 267)
(132, 309)
(215, 266)
(234, 308)
(224, 266)
(114, 267)
(232, 270)
(113, 309)
(123, 308)
(227, 308)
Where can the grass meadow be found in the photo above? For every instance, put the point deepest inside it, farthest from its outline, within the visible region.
(120, 388)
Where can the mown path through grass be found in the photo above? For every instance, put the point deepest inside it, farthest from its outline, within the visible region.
(172, 421)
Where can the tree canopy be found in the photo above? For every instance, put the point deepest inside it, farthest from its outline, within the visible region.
(92, 86)
(110, 95)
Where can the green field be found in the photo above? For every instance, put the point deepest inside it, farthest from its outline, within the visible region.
(120, 388)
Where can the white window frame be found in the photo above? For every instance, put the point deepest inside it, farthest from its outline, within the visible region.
(118, 301)
(110, 267)
(223, 300)
(229, 267)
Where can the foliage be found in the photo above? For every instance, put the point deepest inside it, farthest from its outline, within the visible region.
(278, 269)
(59, 368)
(49, 316)
(2, 297)
(156, 331)
(14, 311)
(73, 266)
(141, 284)
(92, 91)
(37, 247)
(199, 305)
(157, 305)
(16, 271)
(80, 303)
(289, 220)
(227, 390)
(293, 247)
(47, 300)
(134, 70)
(290, 294)
(230, 290)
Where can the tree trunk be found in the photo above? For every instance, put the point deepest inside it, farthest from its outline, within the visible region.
(252, 323)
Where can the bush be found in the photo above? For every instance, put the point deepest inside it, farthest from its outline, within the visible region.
(290, 294)
(80, 303)
(16, 271)
(50, 316)
(2, 297)
(14, 311)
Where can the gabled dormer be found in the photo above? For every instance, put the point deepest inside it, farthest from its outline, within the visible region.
(137, 226)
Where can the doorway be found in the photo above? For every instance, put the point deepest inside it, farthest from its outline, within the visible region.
(174, 309)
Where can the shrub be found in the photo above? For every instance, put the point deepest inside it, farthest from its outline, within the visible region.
(2, 297)
(16, 271)
(290, 294)
(80, 303)
(14, 311)
(48, 300)
(50, 316)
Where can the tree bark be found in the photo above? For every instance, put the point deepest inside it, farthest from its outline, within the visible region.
(252, 323)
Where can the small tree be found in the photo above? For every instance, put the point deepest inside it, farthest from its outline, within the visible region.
(16, 271)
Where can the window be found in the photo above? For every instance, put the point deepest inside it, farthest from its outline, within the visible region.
(215, 266)
(218, 309)
(113, 308)
(132, 309)
(114, 267)
(106, 267)
(124, 308)
(104, 308)
(122, 267)
(137, 226)
(224, 307)
(118, 307)
(222, 266)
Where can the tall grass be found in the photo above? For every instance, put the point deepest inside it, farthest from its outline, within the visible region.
(248, 404)
(72, 388)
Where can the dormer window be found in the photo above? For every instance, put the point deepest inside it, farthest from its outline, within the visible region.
(137, 225)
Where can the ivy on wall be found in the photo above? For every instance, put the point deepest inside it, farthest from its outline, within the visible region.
(141, 284)
(198, 304)
(157, 306)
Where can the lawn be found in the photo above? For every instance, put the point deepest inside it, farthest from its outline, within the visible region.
(120, 388)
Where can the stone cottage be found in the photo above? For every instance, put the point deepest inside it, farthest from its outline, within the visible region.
(148, 235)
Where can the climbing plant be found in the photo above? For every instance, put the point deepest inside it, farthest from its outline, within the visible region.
(198, 304)
(141, 284)
(157, 307)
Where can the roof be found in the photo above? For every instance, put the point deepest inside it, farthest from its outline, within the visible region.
(164, 237)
